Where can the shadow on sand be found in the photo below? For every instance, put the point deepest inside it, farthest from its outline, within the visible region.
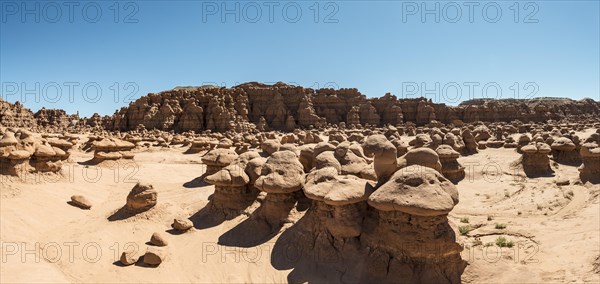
(121, 214)
(197, 182)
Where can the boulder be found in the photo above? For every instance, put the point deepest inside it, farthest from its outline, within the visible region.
(141, 198)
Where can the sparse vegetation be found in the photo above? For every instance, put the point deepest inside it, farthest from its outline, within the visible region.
(464, 230)
(490, 218)
(503, 242)
(464, 220)
(500, 226)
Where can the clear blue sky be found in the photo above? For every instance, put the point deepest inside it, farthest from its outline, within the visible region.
(375, 46)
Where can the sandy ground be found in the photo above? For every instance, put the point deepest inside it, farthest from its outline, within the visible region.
(555, 229)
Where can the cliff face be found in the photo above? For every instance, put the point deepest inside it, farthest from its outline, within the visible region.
(284, 107)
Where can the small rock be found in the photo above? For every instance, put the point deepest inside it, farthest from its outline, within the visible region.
(563, 181)
(181, 224)
(81, 202)
(158, 240)
(154, 256)
(128, 258)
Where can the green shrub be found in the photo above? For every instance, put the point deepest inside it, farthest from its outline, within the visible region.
(503, 242)
(464, 230)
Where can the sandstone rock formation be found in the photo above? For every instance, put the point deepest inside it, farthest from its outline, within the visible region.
(451, 169)
(209, 107)
(385, 161)
(21, 153)
(565, 151)
(590, 154)
(535, 160)
(141, 198)
(470, 142)
(420, 156)
(112, 149)
(339, 201)
(410, 220)
(233, 190)
(281, 177)
(217, 159)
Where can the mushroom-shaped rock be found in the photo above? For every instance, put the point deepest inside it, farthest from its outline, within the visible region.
(19, 155)
(535, 160)
(590, 155)
(416, 191)
(352, 161)
(110, 149)
(523, 140)
(401, 146)
(254, 168)
(384, 155)
(8, 139)
(454, 141)
(565, 151)
(62, 144)
(231, 187)
(217, 159)
(16, 163)
(43, 159)
(322, 147)
(327, 159)
(225, 143)
(344, 196)
(232, 175)
(199, 145)
(451, 169)
(410, 225)
(422, 157)
(270, 146)
(282, 175)
(105, 156)
(424, 140)
(44, 151)
(470, 142)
